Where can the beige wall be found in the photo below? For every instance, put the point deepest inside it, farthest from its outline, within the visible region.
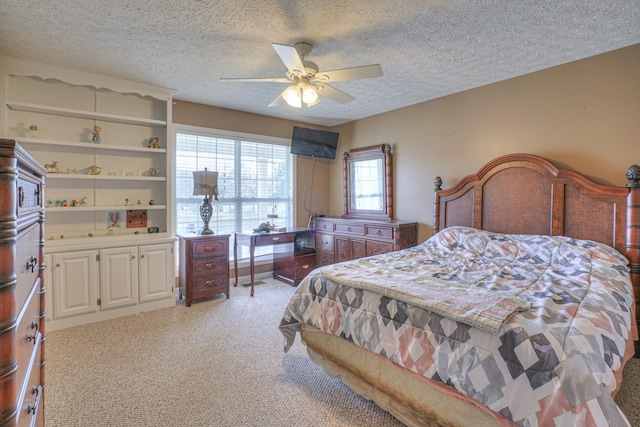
(584, 115)
(192, 114)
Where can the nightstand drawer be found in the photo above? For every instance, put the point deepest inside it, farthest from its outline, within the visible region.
(205, 285)
(210, 266)
(209, 248)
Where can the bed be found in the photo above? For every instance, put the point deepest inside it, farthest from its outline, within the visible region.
(520, 310)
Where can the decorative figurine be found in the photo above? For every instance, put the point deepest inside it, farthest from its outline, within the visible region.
(152, 172)
(52, 167)
(49, 203)
(152, 202)
(95, 170)
(126, 202)
(139, 202)
(153, 142)
(73, 171)
(96, 134)
(83, 201)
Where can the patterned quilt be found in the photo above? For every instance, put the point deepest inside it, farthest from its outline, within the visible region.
(545, 357)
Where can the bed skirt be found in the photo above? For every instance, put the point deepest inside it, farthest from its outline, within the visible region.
(413, 400)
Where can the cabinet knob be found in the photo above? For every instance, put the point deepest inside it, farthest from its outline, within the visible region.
(275, 239)
(141, 256)
(306, 266)
(379, 233)
(348, 228)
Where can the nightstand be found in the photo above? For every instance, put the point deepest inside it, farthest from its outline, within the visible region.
(204, 266)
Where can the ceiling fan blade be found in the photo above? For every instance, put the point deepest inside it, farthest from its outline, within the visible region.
(289, 55)
(354, 73)
(278, 101)
(257, 79)
(333, 93)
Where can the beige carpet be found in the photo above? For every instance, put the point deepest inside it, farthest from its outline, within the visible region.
(218, 363)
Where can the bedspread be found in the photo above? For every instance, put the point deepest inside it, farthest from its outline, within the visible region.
(552, 364)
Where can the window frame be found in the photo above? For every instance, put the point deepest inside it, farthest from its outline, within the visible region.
(263, 256)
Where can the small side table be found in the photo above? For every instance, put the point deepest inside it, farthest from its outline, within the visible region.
(204, 266)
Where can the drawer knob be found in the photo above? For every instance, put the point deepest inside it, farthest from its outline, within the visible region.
(31, 264)
(306, 266)
(348, 228)
(379, 233)
(275, 239)
(210, 265)
(20, 196)
(210, 283)
(208, 248)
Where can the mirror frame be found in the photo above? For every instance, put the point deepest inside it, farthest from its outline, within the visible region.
(355, 155)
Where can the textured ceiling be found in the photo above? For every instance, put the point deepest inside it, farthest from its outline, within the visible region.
(427, 48)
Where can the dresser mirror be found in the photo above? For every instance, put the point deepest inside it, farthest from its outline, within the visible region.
(368, 187)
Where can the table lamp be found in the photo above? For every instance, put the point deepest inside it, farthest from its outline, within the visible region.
(205, 183)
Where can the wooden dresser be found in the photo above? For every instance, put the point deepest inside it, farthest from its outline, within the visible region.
(204, 266)
(22, 290)
(339, 239)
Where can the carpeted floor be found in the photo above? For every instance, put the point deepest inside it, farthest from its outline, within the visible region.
(218, 363)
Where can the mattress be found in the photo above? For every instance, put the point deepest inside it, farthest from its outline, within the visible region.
(533, 328)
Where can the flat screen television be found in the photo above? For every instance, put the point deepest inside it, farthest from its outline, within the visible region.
(314, 142)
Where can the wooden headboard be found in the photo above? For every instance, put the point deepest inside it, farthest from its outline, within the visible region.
(527, 194)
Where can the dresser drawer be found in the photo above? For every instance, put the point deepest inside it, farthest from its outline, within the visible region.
(274, 239)
(210, 266)
(30, 398)
(350, 229)
(324, 225)
(382, 232)
(324, 258)
(29, 193)
(208, 248)
(303, 265)
(206, 285)
(377, 248)
(27, 263)
(324, 242)
(28, 336)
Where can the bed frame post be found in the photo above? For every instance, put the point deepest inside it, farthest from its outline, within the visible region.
(436, 204)
(633, 230)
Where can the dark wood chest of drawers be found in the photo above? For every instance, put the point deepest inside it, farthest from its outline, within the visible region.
(339, 239)
(204, 266)
(22, 311)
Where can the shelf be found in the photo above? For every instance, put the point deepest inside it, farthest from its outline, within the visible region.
(82, 114)
(54, 209)
(90, 146)
(104, 177)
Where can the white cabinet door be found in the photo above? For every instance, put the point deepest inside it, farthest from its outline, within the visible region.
(157, 276)
(75, 280)
(118, 277)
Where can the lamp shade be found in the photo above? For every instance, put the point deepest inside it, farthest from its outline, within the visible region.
(205, 183)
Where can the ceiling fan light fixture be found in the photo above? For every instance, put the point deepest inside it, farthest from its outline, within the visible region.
(292, 96)
(309, 95)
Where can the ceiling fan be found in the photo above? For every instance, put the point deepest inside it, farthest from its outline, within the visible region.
(305, 80)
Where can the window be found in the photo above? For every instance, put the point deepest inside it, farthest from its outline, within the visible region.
(255, 179)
